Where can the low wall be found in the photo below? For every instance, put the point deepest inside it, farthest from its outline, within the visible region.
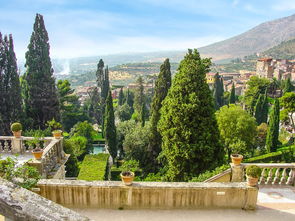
(155, 195)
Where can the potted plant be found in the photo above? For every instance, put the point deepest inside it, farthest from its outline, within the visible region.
(37, 152)
(253, 172)
(16, 129)
(35, 144)
(236, 159)
(56, 128)
(127, 175)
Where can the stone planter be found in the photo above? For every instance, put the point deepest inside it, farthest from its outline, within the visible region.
(252, 181)
(57, 134)
(127, 178)
(17, 134)
(37, 153)
(236, 159)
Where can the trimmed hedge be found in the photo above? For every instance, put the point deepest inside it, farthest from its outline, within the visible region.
(285, 154)
(204, 176)
(94, 167)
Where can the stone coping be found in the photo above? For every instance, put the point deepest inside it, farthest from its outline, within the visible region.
(228, 185)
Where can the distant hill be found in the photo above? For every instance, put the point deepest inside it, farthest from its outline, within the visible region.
(257, 39)
(285, 50)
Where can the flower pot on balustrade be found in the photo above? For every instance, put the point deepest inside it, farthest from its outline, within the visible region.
(57, 134)
(253, 173)
(17, 134)
(16, 129)
(127, 177)
(236, 159)
(37, 152)
(252, 181)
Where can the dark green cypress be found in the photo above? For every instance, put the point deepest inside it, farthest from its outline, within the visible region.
(191, 140)
(41, 101)
(288, 86)
(258, 109)
(162, 85)
(105, 85)
(264, 114)
(3, 95)
(218, 91)
(139, 95)
(232, 98)
(121, 97)
(109, 127)
(273, 128)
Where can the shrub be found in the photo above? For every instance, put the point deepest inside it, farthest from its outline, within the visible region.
(253, 171)
(94, 167)
(16, 127)
(130, 165)
(204, 176)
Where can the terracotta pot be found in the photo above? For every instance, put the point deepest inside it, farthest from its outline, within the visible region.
(236, 159)
(17, 134)
(37, 154)
(127, 180)
(57, 134)
(252, 181)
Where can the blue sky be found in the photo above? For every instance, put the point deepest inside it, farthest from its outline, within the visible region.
(99, 27)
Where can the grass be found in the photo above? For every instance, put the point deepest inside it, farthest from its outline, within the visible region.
(94, 167)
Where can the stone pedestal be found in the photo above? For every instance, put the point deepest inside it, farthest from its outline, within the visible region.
(237, 173)
(16, 145)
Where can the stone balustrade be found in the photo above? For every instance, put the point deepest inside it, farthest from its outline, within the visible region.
(53, 157)
(272, 173)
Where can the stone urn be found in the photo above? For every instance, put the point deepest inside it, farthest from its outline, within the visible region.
(127, 177)
(236, 159)
(37, 152)
(57, 134)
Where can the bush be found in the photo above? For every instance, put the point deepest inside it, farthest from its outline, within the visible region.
(94, 167)
(204, 176)
(253, 171)
(16, 127)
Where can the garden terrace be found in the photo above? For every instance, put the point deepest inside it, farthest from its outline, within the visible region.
(51, 164)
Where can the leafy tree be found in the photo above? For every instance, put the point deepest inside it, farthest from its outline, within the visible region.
(218, 91)
(139, 98)
(261, 136)
(288, 87)
(142, 115)
(41, 101)
(232, 98)
(187, 124)
(109, 126)
(256, 86)
(162, 85)
(69, 105)
(121, 97)
(237, 129)
(123, 112)
(124, 128)
(94, 108)
(273, 128)
(288, 104)
(130, 99)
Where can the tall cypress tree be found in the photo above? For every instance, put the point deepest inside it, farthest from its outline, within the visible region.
(121, 97)
(264, 114)
(162, 85)
(261, 109)
(10, 98)
(232, 98)
(105, 85)
(273, 128)
(218, 91)
(109, 126)
(41, 101)
(139, 95)
(191, 140)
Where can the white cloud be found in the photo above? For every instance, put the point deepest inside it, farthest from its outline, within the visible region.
(284, 5)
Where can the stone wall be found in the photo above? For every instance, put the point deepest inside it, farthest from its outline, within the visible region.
(19, 204)
(154, 195)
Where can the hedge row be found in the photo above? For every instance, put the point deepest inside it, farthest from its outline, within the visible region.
(286, 154)
(94, 167)
(204, 176)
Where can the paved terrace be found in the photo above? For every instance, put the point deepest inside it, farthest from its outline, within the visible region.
(274, 203)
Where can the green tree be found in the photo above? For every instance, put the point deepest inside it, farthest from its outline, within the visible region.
(130, 99)
(139, 95)
(162, 85)
(110, 128)
(187, 124)
(273, 128)
(94, 108)
(218, 91)
(41, 101)
(10, 101)
(123, 112)
(237, 129)
(121, 97)
(261, 109)
(288, 87)
(142, 115)
(69, 105)
(255, 87)
(232, 98)
(288, 104)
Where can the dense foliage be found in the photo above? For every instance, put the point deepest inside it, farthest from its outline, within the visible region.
(188, 126)
(272, 137)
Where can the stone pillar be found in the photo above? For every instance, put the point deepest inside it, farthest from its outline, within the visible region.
(16, 145)
(237, 173)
